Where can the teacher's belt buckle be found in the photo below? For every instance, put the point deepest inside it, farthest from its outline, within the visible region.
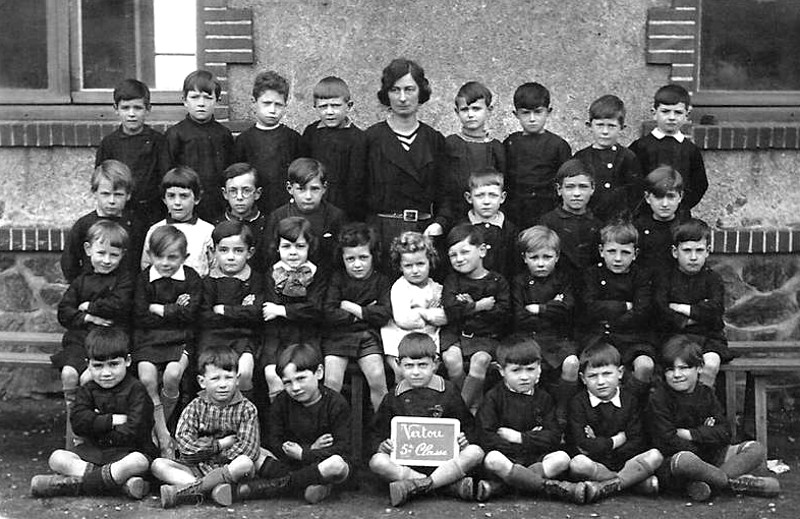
(410, 215)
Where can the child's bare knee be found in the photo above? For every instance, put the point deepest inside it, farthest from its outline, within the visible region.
(378, 462)
(653, 458)
(570, 367)
(559, 459)
(581, 464)
(69, 377)
(494, 461)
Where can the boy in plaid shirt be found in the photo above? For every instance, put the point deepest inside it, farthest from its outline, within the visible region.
(217, 435)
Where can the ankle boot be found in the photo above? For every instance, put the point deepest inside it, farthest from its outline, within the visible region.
(648, 487)
(597, 490)
(463, 489)
(262, 488)
(698, 491)
(136, 487)
(565, 490)
(47, 485)
(487, 489)
(173, 495)
(755, 485)
(403, 490)
(313, 494)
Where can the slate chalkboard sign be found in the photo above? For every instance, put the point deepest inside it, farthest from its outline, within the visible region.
(424, 441)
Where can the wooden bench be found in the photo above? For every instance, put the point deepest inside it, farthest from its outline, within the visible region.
(758, 360)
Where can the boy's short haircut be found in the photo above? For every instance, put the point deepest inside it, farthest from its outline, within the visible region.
(416, 346)
(291, 228)
(357, 234)
(521, 351)
(302, 355)
(530, 96)
(608, 106)
(486, 177)
(128, 89)
(106, 343)
(671, 95)
(599, 354)
(663, 180)
(238, 169)
(202, 81)
(398, 68)
(270, 80)
(621, 231)
(116, 172)
(573, 168)
(164, 237)
(303, 170)
(182, 176)
(331, 87)
(692, 229)
(410, 242)
(472, 91)
(220, 356)
(681, 347)
(108, 231)
(465, 231)
(539, 237)
(228, 228)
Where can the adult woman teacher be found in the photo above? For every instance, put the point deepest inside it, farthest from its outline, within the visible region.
(406, 185)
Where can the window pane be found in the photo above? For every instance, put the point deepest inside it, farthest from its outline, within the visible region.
(750, 45)
(108, 39)
(171, 71)
(175, 27)
(23, 44)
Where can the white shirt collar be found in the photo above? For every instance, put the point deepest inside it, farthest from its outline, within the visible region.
(179, 275)
(594, 401)
(498, 219)
(659, 134)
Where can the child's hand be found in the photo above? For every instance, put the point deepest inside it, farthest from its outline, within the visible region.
(628, 305)
(681, 308)
(462, 441)
(464, 299)
(99, 321)
(537, 428)
(710, 421)
(270, 311)
(589, 432)
(386, 446)
(532, 308)
(119, 419)
(509, 435)
(351, 308)
(559, 298)
(684, 434)
(219, 309)
(227, 442)
(293, 450)
(618, 440)
(183, 300)
(84, 307)
(485, 304)
(249, 300)
(156, 309)
(323, 442)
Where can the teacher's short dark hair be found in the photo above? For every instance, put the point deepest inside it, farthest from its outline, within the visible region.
(398, 68)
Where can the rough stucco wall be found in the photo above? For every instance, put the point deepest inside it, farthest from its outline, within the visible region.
(579, 50)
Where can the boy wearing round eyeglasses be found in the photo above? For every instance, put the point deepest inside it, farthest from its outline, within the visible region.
(241, 192)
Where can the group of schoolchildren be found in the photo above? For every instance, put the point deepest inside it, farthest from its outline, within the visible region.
(251, 283)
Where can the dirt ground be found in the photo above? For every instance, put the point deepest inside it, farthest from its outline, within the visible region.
(31, 429)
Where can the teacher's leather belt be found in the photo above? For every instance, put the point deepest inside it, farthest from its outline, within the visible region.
(407, 215)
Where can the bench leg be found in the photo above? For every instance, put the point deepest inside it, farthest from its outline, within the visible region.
(730, 402)
(357, 415)
(760, 384)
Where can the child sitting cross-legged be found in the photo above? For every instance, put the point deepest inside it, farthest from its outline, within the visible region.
(519, 431)
(114, 415)
(309, 433)
(605, 430)
(217, 436)
(423, 393)
(687, 423)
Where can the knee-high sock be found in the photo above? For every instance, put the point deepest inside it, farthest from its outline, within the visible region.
(527, 479)
(472, 392)
(748, 457)
(69, 402)
(635, 470)
(169, 402)
(446, 473)
(215, 477)
(301, 478)
(688, 465)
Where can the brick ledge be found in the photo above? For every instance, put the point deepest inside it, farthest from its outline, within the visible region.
(738, 241)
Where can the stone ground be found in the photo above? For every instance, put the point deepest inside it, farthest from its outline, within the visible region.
(31, 429)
